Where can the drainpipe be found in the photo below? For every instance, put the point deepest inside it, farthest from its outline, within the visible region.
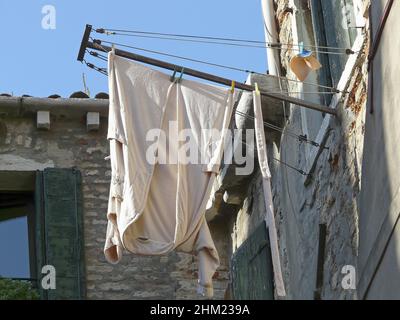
(271, 36)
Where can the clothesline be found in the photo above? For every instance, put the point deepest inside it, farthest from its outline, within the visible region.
(334, 90)
(301, 138)
(96, 44)
(226, 41)
(104, 58)
(88, 31)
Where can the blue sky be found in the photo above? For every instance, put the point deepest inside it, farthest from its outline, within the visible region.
(41, 62)
(14, 248)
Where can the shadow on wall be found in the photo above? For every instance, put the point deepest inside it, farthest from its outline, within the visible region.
(379, 252)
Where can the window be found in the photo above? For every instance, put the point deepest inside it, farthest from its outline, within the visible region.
(41, 223)
(334, 27)
(17, 240)
(335, 24)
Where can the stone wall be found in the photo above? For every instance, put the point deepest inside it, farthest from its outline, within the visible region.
(331, 195)
(67, 144)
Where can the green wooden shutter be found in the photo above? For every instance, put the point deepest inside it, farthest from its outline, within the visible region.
(251, 268)
(59, 231)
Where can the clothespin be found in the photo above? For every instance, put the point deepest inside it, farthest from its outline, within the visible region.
(177, 80)
(180, 77)
(233, 85)
(257, 89)
(113, 48)
(173, 76)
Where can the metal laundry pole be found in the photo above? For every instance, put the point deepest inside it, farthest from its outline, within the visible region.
(96, 45)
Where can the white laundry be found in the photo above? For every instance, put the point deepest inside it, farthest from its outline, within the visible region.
(156, 208)
(266, 174)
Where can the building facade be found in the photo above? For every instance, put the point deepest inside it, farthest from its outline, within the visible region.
(53, 170)
(337, 225)
(334, 181)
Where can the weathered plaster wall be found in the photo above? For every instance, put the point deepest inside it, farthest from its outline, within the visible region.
(332, 195)
(379, 254)
(67, 144)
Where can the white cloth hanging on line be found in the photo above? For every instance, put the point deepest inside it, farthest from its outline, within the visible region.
(266, 179)
(156, 207)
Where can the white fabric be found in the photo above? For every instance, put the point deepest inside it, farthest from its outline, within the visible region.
(155, 208)
(266, 175)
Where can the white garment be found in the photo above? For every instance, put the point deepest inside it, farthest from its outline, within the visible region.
(155, 208)
(266, 174)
